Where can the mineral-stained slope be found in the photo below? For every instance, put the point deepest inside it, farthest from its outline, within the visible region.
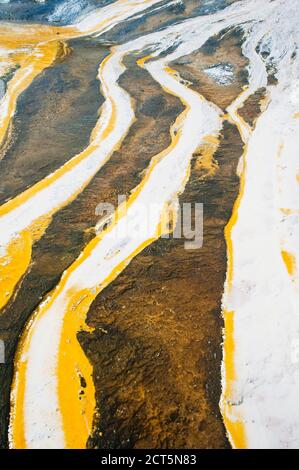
(116, 335)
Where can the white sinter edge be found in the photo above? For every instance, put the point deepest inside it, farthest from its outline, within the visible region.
(264, 296)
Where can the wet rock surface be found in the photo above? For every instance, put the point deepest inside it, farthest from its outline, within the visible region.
(156, 345)
(156, 349)
(44, 133)
(47, 11)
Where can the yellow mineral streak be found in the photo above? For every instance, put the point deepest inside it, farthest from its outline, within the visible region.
(16, 259)
(232, 421)
(31, 64)
(18, 385)
(289, 261)
(17, 432)
(13, 265)
(231, 223)
(205, 162)
(75, 385)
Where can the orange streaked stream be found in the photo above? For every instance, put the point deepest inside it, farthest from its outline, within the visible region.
(71, 405)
